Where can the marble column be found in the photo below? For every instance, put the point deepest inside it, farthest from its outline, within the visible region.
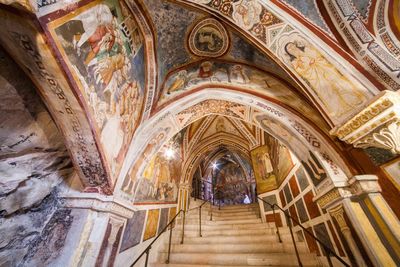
(372, 219)
(338, 214)
(116, 225)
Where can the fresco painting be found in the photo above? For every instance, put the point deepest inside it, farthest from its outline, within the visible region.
(154, 143)
(263, 170)
(336, 92)
(133, 230)
(232, 183)
(216, 72)
(163, 220)
(310, 162)
(208, 39)
(280, 158)
(103, 48)
(151, 224)
(172, 213)
(159, 181)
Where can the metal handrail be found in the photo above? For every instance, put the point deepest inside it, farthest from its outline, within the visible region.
(199, 207)
(328, 250)
(147, 249)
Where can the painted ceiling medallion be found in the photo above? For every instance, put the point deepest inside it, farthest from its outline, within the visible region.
(208, 39)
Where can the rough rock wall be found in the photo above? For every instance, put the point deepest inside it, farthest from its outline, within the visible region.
(33, 163)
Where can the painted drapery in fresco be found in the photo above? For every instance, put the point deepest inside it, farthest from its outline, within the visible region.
(263, 170)
(160, 179)
(335, 91)
(280, 158)
(151, 224)
(102, 47)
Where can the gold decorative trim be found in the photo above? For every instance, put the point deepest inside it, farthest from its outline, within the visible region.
(375, 126)
(363, 117)
(328, 197)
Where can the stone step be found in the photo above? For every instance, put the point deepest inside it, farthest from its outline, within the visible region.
(272, 247)
(263, 259)
(225, 226)
(239, 206)
(190, 265)
(217, 212)
(207, 221)
(219, 217)
(227, 239)
(193, 232)
(224, 213)
(244, 209)
(230, 209)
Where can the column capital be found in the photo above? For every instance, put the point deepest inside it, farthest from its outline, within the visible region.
(338, 214)
(376, 125)
(186, 186)
(356, 186)
(364, 184)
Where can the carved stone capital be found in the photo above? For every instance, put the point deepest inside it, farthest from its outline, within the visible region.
(377, 125)
(330, 197)
(338, 214)
(364, 184)
(185, 186)
(356, 186)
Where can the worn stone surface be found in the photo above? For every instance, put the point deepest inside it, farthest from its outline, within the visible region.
(34, 237)
(33, 158)
(33, 163)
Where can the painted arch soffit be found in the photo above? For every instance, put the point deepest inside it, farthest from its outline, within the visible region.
(243, 161)
(370, 52)
(339, 87)
(20, 38)
(212, 125)
(222, 141)
(106, 50)
(386, 25)
(297, 133)
(240, 77)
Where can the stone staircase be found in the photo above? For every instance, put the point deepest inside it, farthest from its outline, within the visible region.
(235, 237)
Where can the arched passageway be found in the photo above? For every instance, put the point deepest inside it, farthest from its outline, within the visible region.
(147, 103)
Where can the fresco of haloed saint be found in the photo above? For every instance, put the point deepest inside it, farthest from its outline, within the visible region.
(263, 169)
(217, 73)
(160, 179)
(336, 92)
(102, 45)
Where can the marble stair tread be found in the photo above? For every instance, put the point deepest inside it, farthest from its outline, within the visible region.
(240, 258)
(225, 218)
(191, 265)
(230, 232)
(191, 225)
(220, 239)
(273, 246)
(202, 265)
(213, 222)
(217, 212)
(257, 220)
(227, 248)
